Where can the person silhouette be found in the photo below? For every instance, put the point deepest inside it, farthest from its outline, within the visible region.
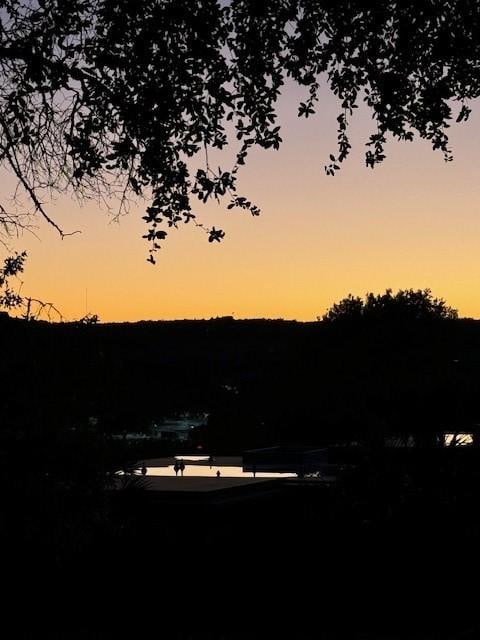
(182, 466)
(144, 470)
(176, 467)
(218, 473)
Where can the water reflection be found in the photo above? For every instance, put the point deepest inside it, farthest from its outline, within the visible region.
(205, 471)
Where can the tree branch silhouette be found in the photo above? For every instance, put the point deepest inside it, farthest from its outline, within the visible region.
(108, 99)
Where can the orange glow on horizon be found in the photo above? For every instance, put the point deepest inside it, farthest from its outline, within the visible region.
(412, 222)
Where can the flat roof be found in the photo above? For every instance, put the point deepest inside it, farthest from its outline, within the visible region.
(198, 484)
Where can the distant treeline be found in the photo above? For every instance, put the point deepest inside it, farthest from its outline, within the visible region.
(261, 381)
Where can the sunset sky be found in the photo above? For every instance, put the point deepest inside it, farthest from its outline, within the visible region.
(412, 222)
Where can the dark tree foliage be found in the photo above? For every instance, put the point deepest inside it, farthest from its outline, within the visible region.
(405, 305)
(118, 98)
(261, 382)
(12, 298)
(12, 267)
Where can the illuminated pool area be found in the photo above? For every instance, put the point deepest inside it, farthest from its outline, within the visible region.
(206, 471)
(220, 477)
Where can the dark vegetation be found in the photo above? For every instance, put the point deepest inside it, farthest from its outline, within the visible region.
(403, 517)
(261, 381)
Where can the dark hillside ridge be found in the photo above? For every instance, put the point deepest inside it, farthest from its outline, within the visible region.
(261, 381)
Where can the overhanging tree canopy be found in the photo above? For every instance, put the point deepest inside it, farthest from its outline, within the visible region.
(114, 97)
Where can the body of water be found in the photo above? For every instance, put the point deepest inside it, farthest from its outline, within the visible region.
(205, 471)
